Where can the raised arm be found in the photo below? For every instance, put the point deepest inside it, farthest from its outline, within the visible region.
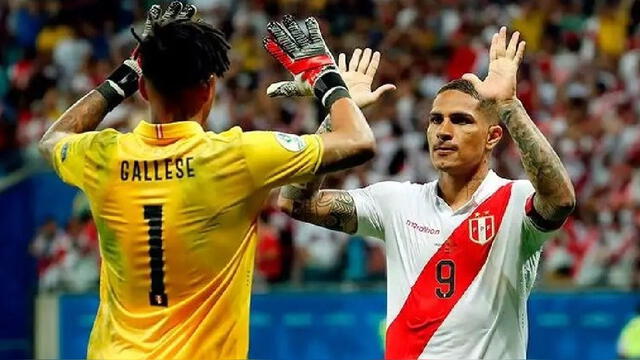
(308, 59)
(83, 116)
(332, 209)
(555, 197)
(89, 111)
(335, 209)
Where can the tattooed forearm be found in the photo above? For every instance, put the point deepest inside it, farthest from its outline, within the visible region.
(332, 209)
(84, 115)
(555, 197)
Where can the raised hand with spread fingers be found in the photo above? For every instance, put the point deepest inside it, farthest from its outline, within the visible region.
(504, 60)
(359, 76)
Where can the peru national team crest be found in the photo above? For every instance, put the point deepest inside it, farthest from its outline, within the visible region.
(481, 228)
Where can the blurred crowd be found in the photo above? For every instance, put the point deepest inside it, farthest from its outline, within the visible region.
(580, 81)
(67, 255)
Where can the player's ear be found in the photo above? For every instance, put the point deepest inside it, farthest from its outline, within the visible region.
(142, 86)
(493, 136)
(212, 86)
(207, 90)
(206, 94)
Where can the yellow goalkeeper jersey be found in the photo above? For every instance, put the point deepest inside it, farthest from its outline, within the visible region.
(176, 210)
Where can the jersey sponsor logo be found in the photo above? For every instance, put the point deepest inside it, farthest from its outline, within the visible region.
(482, 228)
(291, 142)
(442, 283)
(64, 151)
(422, 228)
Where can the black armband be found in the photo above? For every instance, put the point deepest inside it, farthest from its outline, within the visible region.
(330, 87)
(121, 84)
(538, 220)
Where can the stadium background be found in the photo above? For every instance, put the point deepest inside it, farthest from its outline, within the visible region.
(321, 294)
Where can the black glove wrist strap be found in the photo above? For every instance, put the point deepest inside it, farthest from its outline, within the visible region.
(121, 84)
(330, 87)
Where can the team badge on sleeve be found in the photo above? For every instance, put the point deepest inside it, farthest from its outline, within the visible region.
(291, 142)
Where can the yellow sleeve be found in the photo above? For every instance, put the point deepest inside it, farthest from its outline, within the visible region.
(70, 155)
(276, 158)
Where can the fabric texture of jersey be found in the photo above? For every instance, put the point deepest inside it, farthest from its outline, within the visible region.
(176, 210)
(457, 281)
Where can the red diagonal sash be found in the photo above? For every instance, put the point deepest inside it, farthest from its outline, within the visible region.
(431, 298)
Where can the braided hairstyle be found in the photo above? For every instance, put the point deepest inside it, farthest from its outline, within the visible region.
(182, 54)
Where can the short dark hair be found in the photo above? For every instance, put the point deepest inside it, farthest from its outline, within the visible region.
(465, 86)
(179, 55)
(461, 85)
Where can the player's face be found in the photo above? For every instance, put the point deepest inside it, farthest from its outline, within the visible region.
(459, 134)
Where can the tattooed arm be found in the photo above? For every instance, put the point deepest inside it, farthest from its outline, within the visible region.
(332, 209)
(335, 209)
(555, 197)
(84, 115)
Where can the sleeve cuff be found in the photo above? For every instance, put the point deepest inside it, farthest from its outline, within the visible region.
(320, 154)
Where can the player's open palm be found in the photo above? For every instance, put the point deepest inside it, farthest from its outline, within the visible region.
(359, 74)
(500, 83)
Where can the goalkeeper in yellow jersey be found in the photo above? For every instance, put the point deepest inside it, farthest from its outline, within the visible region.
(176, 206)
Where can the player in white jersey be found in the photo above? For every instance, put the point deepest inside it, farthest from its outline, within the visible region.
(462, 251)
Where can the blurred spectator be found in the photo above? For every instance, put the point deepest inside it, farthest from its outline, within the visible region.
(81, 267)
(50, 248)
(612, 22)
(66, 260)
(69, 55)
(364, 260)
(54, 31)
(269, 250)
(318, 253)
(356, 252)
(531, 22)
(26, 22)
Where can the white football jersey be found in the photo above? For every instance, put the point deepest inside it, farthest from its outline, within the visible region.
(457, 281)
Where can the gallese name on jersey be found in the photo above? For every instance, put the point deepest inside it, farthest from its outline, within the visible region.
(157, 170)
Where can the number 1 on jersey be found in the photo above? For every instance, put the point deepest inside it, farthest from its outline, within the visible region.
(153, 215)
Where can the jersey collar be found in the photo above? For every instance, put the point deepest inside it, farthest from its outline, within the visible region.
(174, 130)
(485, 188)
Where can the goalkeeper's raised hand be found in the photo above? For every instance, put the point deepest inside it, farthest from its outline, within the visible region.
(123, 82)
(307, 58)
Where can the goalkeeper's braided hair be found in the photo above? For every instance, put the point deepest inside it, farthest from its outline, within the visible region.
(182, 54)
